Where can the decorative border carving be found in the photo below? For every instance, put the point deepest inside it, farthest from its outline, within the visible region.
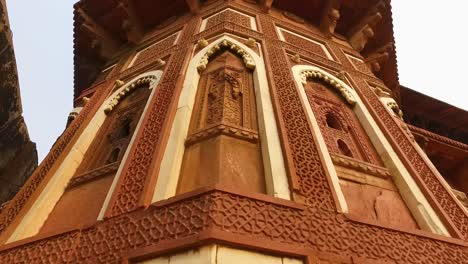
(317, 226)
(249, 62)
(130, 188)
(218, 214)
(220, 16)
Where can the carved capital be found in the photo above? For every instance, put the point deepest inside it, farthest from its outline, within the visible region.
(251, 42)
(202, 43)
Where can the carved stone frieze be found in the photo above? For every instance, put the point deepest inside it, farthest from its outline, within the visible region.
(224, 216)
(436, 137)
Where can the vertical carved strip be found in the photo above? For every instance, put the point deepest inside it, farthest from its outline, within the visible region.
(304, 155)
(131, 185)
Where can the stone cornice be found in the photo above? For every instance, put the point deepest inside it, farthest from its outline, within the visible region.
(419, 131)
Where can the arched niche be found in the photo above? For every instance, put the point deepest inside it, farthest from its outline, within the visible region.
(275, 172)
(417, 203)
(226, 44)
(35, 217)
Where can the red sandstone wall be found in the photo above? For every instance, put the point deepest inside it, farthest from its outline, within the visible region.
(307, 227)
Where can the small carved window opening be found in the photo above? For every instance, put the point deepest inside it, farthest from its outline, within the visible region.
(333, 122)
(125, 129)
(344, 149)
(114, 156)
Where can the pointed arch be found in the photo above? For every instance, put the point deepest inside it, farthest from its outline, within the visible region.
(149, 80)
(318, 74)
(272, 154)
(46, 200)
(418, 204)
(226, 44)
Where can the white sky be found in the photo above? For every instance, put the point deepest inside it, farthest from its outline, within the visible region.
(430, 38)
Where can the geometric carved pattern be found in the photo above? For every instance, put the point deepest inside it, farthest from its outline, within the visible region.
(254, 218)
(308, 176)
(146, 53)
(358, 64)
(317, 225)
(305, 43)
(228, 15)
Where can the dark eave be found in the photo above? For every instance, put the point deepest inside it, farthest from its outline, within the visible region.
(434, 115)
(352, 12)
(103, 27)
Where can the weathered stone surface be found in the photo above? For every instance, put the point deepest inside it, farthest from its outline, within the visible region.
(18, 155)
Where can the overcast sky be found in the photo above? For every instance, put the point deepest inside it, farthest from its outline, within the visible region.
(430, 38)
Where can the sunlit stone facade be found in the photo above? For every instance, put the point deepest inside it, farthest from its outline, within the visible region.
(236, 131)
